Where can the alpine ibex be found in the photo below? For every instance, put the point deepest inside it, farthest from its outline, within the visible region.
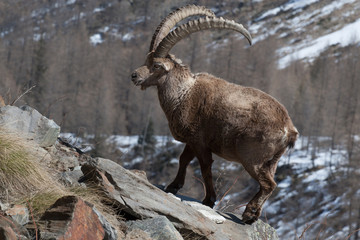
(211, 115)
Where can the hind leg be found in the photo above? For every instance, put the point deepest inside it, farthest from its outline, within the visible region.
(185, 158)
(264, 175)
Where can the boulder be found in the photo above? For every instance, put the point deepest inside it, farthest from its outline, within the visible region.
(72, 218)
(29, 122)
(159, 228)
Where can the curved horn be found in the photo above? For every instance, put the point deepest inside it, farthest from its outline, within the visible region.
(173, 18)
(194, 26)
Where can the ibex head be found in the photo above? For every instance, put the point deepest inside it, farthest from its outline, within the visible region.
(158, 62)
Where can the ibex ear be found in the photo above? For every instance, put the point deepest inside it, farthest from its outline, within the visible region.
(166, 65)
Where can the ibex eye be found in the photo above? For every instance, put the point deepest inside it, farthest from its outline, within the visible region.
(157, 66)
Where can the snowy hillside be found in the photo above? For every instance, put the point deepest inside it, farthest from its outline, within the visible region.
(308, 27)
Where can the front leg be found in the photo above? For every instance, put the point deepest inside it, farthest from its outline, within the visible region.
(185, 158)
(205, 160)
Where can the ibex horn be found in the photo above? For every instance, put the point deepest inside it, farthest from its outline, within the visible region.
(173, 18)
(194, 26)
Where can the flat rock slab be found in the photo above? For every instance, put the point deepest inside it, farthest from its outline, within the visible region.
(139, 199)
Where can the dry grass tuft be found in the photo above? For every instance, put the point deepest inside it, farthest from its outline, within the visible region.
(20, 173)
(42, 200)
(24, 181)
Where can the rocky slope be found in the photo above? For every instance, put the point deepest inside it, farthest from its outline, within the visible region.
(95, 198)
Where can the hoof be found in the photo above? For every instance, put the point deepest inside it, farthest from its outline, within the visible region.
(209, 202)
(250, 216)
(249, 219)
(172, 189)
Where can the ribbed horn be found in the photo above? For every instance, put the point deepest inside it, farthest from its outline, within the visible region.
(190, 27)
(173, 18)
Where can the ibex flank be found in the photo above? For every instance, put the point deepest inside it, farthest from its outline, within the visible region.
(211, 115)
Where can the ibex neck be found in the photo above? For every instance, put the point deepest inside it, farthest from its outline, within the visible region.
(173, 93)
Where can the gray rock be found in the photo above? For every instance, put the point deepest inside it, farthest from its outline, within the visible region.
(159, 228)
(110, 232)
(19, 213)
(71, 178)
(139, 199)
(137, 234)
(4, 206)
(234, 228)
(27, 121)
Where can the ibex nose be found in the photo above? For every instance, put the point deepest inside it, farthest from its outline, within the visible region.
(134, 76)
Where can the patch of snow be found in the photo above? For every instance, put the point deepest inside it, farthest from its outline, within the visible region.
(123, 143)
(96, 39)
(6, 32)
(285, 183)
(78, 142)
(38, 36)
(96, 10)
(127, 37)
(230, 166)
(272, 208)
(69, 2)
(75, 18)
(334, 5)
(206, 211)
(104, 29)
(345, 36)
(319, 175)
(299, 21)
(139, 20)
(136, 160)
(297, 4)
(37, 12)
(174, 161)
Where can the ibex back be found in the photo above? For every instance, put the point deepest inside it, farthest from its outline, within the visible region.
(211, 115)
